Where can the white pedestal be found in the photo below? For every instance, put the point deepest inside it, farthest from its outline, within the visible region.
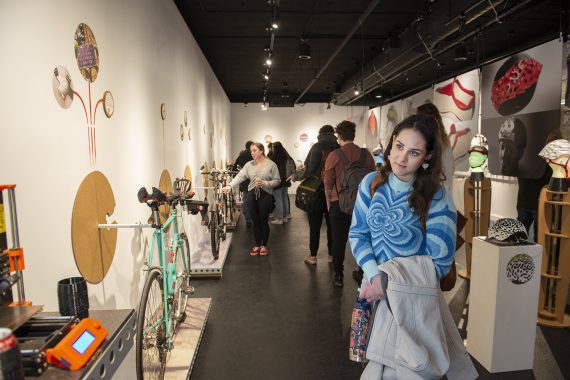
(202, 263)
(502, 312)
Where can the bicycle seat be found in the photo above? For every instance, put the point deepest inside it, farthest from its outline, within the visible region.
(157, 196)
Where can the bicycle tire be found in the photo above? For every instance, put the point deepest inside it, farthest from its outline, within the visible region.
(222, 227)
(151, 348)
(182, 284)
(214, 234)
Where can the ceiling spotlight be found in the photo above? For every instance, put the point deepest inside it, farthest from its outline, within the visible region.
(378, 94)
(268, 61)
(356, 92)
(460, 54)
(263, 107)
(266, 75)
(285, 91)
(274, 25)
(304, 50)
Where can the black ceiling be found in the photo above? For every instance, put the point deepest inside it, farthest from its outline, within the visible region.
(396, 47)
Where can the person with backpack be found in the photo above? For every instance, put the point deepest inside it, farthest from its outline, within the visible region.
(404, 211)
(314, 166)
(344, 169)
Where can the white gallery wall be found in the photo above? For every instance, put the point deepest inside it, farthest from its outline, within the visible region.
(287, 124)
(147, 56)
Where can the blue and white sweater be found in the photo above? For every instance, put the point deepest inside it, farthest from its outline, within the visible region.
(384, 227)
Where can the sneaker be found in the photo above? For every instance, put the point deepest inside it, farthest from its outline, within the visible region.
(254, 251)
(263, 251)
(330, 259)
(310, 260)
(277, 221)
(338, 282)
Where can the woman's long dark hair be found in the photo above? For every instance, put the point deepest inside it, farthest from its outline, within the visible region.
(428, 181)
(280, 157)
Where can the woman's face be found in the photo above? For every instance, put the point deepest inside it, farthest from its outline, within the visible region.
(408, 153)
(255, 152)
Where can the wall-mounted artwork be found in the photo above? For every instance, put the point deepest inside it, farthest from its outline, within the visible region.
(268, 139)
(181, 132)
(458, 102)
(411, 103)
(565, 111)
(62, 86)
(520, 108)
(304, 137)
(87, 58)
(391, 115)
(372, 128)
(93, 248)
(86, 52)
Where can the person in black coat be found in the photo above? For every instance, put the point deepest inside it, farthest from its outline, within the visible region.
(314, 165)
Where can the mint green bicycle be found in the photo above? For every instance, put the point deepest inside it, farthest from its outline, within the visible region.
(167, 286)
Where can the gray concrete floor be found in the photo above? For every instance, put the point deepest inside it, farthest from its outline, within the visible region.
(275, 317)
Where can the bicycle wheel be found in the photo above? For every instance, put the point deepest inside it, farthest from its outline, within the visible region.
(151, 347)
(214, 234)
(221, 225)
(182, 287)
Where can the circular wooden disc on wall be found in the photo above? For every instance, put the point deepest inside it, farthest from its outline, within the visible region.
(188, 175)
(93, 248)
(165, 185)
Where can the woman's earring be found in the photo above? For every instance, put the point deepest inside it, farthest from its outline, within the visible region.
(425, 165)
(388, 157)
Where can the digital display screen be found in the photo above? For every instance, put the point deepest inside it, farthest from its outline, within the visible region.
(83, 342)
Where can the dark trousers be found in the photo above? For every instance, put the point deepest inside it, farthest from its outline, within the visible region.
(527, 217)
(260, 209)
(315, 223)
(340, 223)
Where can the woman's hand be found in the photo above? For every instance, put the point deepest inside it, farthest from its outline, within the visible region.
(258, 182)
(371, 291)
(226, 189)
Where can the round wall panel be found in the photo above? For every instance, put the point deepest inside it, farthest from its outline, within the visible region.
(165, 185)
(93, 248)
(188, 174)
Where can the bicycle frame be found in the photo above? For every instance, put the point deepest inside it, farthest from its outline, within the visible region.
(168, 268)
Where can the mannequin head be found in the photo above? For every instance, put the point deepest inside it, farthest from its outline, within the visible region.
(512, 142)
(478, 153)
(557, 154)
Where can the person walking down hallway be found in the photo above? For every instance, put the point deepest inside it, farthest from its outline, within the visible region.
(314, 166)
(264, 176)
(243, 158)
(281, 158)
(333, 174)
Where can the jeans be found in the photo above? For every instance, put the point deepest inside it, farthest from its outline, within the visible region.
(260, 209)
(315, 223)
(245, 207)
(527, 217)
(340, 223)
(281, 202)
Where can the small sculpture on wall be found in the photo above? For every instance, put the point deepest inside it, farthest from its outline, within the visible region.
(378, 153)
(557, 154)
(478, 153)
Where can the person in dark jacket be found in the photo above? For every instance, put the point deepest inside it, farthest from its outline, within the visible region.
(314, 165)
(243, 158)
(280, 193)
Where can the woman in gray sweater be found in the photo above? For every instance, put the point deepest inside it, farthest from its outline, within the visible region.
(264, 176)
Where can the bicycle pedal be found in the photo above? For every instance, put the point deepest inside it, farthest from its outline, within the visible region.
(188, 290)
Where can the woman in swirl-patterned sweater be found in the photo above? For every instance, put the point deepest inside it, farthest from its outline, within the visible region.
(403, 210)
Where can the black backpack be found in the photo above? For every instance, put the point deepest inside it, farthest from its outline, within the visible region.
(354, 172)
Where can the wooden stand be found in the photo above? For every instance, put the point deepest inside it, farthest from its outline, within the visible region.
(554, 235)
(477, 206)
